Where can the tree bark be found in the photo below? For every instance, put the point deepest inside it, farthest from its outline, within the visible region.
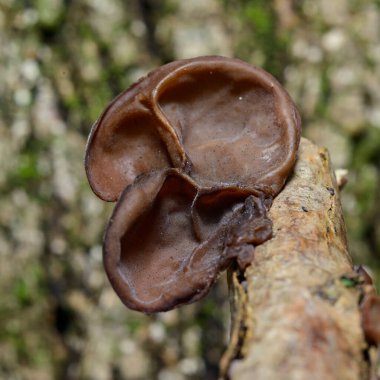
(295, 310)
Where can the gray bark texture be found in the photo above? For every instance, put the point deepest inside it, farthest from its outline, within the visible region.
(295, 311)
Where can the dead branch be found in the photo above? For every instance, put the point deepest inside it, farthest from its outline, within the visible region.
(294, 313)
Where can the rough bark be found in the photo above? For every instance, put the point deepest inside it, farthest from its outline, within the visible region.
(295, 311)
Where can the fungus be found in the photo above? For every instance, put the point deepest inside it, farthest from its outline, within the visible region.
(370, 319)
(364, 275)
(194, 154)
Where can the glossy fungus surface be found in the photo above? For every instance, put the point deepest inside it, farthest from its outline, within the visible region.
(193, 154)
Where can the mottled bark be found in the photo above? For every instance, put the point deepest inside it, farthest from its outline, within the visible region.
(295, 313)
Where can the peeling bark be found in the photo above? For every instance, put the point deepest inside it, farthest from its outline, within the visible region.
(294, 314)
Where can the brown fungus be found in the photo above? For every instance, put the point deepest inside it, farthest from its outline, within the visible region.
(194, 154)
(371, 318)
(364, 275)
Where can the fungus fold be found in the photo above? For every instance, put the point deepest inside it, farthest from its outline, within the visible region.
(194, 154)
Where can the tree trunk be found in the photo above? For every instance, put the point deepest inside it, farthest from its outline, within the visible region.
(295, 311)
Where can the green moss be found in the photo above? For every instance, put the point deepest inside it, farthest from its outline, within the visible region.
(325, 93)
(49, 11)
(260, 32)
(22, 292)
(260, 16)
(27, 169)
(27, 173)
(367, 148)
(29, 287)
(134, 324)
(349, 282)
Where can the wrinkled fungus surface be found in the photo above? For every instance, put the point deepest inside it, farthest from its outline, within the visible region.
(193, 153)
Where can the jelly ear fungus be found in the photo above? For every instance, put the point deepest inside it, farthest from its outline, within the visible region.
(193, 154)
(370, 318)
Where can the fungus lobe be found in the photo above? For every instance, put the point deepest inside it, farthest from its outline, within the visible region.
(194, 154)
(370, 318)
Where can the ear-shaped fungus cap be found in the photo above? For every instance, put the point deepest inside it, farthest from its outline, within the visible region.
(201, 147)
(236, 124)
(166, 242)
